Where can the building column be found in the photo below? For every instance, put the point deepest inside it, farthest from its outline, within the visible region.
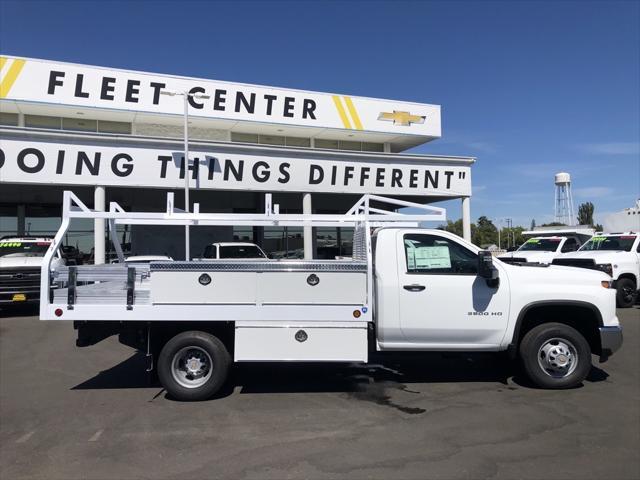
(466, 218)
(21, 215)
(98, 229)
(308, 230)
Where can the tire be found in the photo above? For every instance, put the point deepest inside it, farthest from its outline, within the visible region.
(543, 353)
(193, 366)
(625, 293)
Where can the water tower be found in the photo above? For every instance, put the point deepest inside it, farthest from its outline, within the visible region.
(564, 199)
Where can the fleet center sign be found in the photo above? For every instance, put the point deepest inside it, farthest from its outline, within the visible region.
(47, 162)
(86, 86)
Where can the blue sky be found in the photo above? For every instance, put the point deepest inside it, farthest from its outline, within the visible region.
(529, 88)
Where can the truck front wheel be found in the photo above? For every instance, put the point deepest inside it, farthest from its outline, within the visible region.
(625, 292)
(193, 366)
(555, 356)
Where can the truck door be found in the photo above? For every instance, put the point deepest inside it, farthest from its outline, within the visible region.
(443, 302)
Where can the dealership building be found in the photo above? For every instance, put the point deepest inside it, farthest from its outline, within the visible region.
(118, 135)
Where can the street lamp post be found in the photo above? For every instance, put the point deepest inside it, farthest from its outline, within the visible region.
(185, 160)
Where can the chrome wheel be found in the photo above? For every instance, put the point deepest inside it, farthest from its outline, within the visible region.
(558, 357)
(191, 367)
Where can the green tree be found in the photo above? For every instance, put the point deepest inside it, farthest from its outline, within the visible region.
(511, 237)
(554, 224)
(456, 227)
(585, 214)
(453, 227)
(485, 233)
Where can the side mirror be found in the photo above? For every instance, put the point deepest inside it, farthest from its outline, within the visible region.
(487, 270)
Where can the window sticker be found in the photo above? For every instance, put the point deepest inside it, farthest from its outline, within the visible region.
(533, 240)
(429, 257)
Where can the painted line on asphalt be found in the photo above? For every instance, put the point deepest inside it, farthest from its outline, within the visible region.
(24, 438)
(96, 436)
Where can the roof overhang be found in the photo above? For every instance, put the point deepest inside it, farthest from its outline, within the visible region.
(42, 87)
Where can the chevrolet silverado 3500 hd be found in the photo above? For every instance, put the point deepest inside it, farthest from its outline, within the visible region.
(405, 289)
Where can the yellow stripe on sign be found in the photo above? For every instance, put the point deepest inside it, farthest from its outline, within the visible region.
(341, 112)
(353, 112)
(3, 60)
(11, 76)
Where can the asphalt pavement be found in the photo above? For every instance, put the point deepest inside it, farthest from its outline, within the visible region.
(94, 413)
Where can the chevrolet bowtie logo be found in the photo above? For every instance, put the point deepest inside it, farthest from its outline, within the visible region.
(401, 118)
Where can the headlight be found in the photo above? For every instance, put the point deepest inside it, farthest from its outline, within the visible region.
(606, 268)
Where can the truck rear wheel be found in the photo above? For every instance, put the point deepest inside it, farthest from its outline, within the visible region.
(555, 356)
(625, 292)
(193, 366)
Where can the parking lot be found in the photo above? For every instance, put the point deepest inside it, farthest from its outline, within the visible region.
(94, 413)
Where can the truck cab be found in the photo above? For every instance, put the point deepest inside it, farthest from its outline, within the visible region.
(618, 255)
(20, 263)
(434, 294)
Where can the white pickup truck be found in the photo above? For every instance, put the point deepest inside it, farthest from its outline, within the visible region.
(405, 289)
(546, 243)
(21, 259)
(220, 250)
(540, 250)
(618, 255)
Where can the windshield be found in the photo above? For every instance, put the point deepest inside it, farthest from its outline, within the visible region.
(618, 242)
(23, 249)
(241, 251)
(541, 244)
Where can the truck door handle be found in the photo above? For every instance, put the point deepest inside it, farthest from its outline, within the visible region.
(414, 287)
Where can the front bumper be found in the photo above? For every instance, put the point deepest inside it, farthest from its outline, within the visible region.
(610, 341)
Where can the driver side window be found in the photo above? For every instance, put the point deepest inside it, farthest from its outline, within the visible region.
(431, 254)
(571, 245)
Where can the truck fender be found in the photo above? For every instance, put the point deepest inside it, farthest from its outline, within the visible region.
(512, 349)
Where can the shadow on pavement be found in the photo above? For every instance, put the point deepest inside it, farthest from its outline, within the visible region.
(362, 381)
(19, 310)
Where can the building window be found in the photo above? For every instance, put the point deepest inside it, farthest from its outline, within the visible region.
(298, 142)
(332, 242)
(349, 145)
(331, 144)
(271, 140)
(40, 121)
(105, 126)
(244, 137)
(10, 119)
(372, 147)
(79, 125)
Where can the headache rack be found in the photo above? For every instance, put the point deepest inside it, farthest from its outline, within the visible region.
(120, 288)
